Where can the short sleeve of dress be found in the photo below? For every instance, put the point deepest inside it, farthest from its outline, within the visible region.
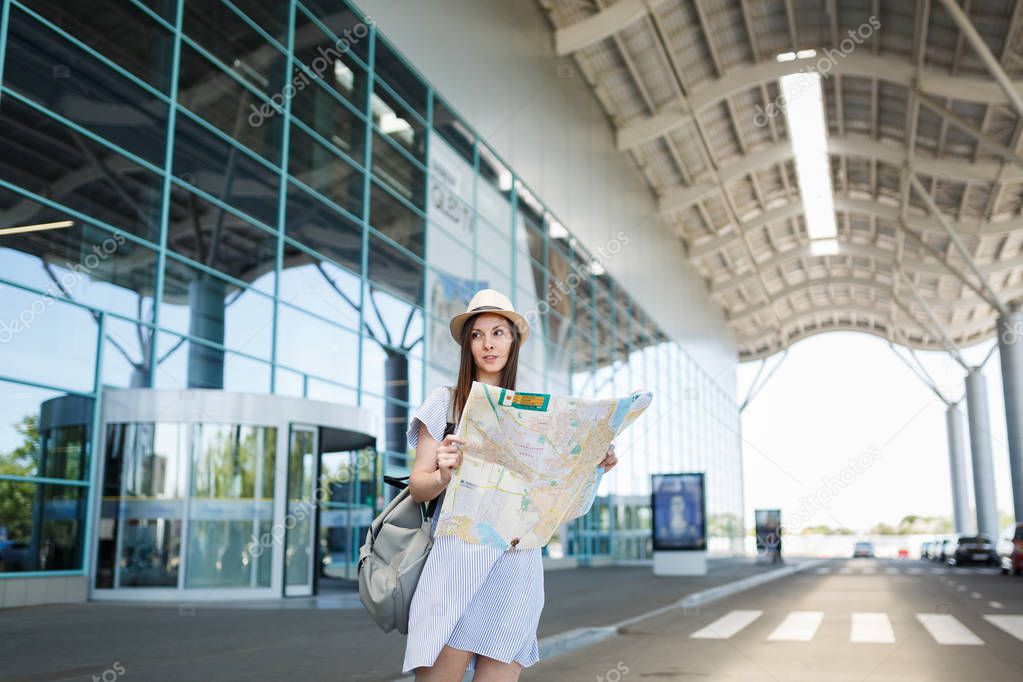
(433, 413)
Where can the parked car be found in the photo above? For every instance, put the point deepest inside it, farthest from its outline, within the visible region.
(941, 549)
(863, 549)
(14, 556)
(1010, 551)
(925, 550)
(971, 549)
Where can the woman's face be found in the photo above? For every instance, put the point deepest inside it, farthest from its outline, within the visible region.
(490, 341)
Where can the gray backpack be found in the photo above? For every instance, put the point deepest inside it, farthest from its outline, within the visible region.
(392, 558)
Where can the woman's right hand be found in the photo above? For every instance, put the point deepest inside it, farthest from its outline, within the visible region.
(449, 456)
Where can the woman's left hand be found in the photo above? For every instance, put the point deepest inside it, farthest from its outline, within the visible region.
(609, 459)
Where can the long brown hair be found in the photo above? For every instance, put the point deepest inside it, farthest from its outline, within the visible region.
(467, 365)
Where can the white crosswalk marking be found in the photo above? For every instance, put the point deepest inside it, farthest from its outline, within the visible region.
(946, 629)
(891, 571)
(995, 604)
(871, 627)
(1011, 624)
(916, 571)
(823, 571)
(798, 626)
(727, 625)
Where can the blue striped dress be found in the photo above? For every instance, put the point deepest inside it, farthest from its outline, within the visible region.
(472, 597)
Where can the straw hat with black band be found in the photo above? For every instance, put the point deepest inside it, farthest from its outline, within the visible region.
(489, 301)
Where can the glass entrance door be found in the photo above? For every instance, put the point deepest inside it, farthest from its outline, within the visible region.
(300, 514)
(348, 480)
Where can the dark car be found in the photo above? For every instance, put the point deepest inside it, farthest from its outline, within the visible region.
(14, 556)
(1011, 552)
(940, 551)
(863, 549)
(971, 549)
(925, 550)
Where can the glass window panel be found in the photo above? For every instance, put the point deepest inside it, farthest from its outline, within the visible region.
(322, 228)
(332, 120)
(210, 308)
(393, 119)
(453, 129)
(235, 43)
(352, 33)
(321, 287)
(219, 239)
(329, 62)
(324, 390)
(224, 171)
(395, 219)
(404, 177)
(44, 433)
(144, 50)
(498, 182)
(333, 356)
(47, 158)
(44, 524)
(394, 271)
(55, 73)
(125, 352)
(325, 171)
(80, 262)
(37, 326)
(222, 101)
(188, 364)
(492, 276)
(494, 244)
(402, 79)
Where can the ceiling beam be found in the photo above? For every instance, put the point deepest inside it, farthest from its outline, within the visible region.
(598, 26)
(983, 172)
(860, 251)
(867, 207)
(857, 64)
(938, 304)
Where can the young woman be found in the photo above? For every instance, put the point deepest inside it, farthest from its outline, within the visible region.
(475, 606)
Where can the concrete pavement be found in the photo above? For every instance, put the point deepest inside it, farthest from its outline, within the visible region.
(327, 638)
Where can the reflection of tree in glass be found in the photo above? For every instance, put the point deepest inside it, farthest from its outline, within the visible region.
(396, 350)
(17, 498)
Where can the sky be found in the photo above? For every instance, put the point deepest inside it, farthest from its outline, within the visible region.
(839, 396)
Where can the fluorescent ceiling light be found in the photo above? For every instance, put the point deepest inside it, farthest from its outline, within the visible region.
(596, 268)
(804, 111)
(39, 227)
(806, 54)
(343, 75)
(786, 57)
(824, 247)
(556, 230)
(391, 123)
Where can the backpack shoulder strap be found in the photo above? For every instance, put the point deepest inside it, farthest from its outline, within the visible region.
(451, 410)
(449, 428)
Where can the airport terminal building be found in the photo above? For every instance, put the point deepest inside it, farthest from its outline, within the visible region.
(231, 238)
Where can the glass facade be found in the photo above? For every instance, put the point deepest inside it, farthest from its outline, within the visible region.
(267, 198)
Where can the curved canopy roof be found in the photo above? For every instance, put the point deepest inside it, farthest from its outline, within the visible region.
(923, 143)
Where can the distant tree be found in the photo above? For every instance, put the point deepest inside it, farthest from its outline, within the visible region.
(17, 498)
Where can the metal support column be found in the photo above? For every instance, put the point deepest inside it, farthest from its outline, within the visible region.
(1010, 349)
(957, 470)
(980, 448)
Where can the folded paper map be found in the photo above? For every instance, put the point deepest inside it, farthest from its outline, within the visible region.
(529, 463)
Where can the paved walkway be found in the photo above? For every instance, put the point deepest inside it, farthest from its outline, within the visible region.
(325, 638)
